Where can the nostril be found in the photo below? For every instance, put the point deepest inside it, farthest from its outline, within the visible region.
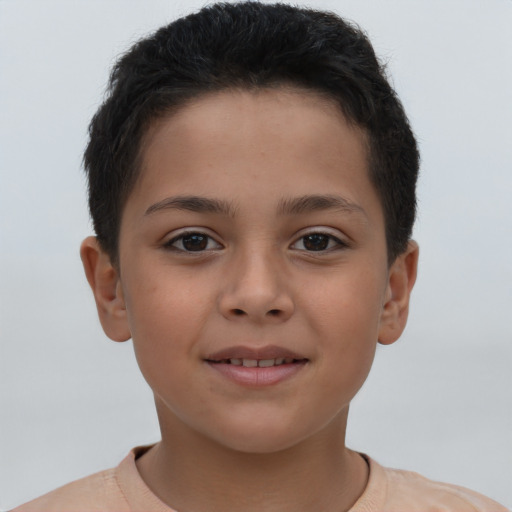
(274, 312)
(239, 312)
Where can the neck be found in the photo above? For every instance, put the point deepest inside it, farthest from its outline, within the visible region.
(192, 473)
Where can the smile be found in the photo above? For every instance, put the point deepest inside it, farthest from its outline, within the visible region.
(261, 363)
(256, 368)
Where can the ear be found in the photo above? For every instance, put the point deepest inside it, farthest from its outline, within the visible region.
(401, 279)
(107, 289)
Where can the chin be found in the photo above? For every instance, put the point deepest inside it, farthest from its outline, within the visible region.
(262, 437)
(259, 444)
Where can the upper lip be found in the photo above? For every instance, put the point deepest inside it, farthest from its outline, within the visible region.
(261, 353)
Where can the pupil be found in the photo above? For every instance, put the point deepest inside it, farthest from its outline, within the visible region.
(195, 242)
(316, 242)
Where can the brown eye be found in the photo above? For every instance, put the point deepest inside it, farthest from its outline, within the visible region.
(193, 242)
(318, 242)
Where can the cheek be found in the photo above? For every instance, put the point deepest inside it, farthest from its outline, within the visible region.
(347, 305)
(346, 356)
(160, 304)
(166, 318)
(346, 317)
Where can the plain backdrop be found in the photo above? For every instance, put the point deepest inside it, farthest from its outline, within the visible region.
(438, 402)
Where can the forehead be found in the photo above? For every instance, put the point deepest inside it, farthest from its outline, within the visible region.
(285, 140)
(208, 116)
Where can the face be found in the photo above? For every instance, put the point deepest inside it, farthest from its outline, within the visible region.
(254, 278)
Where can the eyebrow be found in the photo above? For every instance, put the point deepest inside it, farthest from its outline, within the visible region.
(193, 204)
(287, 206)
(316, 202)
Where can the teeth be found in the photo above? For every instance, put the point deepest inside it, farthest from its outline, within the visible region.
(261, 363)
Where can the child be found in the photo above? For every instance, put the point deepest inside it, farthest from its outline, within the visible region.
(252, 187)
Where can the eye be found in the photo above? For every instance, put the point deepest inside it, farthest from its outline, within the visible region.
(318, 242)
(193, 242)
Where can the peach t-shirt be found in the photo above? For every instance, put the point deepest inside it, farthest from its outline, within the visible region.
(388, 490)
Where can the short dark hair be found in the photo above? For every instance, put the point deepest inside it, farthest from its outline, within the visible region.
(250, 45)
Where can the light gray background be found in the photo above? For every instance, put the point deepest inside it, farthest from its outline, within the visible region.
(438, 402)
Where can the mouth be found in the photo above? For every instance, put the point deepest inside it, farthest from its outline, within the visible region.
(256, 367)
(260, 363)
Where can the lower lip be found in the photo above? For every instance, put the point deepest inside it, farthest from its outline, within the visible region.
(257, 376)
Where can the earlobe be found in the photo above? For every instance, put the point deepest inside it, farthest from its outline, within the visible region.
(104, 281)
(402, 276)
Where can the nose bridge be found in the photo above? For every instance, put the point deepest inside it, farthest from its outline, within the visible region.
(256, 286)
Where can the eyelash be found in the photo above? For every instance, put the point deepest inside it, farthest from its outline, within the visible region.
(204, 241)
(189, 234)
(333, 242)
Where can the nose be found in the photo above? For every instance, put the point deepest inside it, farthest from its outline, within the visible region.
(256, 289)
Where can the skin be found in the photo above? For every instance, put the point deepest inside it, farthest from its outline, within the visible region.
(256, 282)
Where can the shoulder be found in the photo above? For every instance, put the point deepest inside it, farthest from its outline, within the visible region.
(99, 492)
(406, 491)
(407, 487)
